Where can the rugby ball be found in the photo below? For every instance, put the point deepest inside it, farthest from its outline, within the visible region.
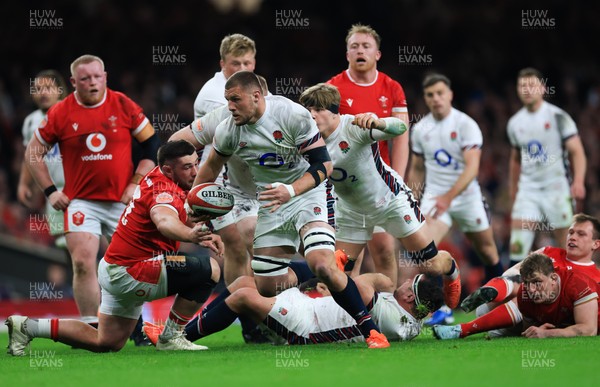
(210, 199)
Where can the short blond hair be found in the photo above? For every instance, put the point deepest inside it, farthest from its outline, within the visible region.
(363, 29)
(236, 45)
(85, 59)
(320, 96)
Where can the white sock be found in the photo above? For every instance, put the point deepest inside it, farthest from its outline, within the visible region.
(38, 327)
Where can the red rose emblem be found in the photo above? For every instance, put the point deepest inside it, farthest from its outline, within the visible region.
(317, 210)
(278, 136)
(453, 136)
(344, 147)
(407, 219)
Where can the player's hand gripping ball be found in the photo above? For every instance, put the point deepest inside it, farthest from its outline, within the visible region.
(210, 199)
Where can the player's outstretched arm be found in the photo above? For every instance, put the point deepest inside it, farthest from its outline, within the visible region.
(586, 324)
(168, 224)
(187, 134)
(209, 170)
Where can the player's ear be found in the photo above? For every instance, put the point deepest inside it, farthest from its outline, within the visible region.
(378, 55)
(167, 170)
(596, 244)
(554, 277)
(73, 82)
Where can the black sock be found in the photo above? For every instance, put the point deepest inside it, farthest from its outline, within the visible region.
(493, 271)
(191, 328)
(217, 319)
(349, 299)
(302, 271)
(247, 324)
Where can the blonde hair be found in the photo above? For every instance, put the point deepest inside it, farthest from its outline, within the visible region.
(85, 59)
(363, 29)
(236, 45)
(320, 96)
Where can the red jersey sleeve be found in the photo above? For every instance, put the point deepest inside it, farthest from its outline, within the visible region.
(581, 289)
(399, 104)
(134, 113)
(47, 132)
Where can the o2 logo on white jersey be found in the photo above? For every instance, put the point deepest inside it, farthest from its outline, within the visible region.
(95, 142)
(444, 159)
(339, 174)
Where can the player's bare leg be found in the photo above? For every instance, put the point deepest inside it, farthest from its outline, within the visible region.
(236, 262)
(485, 247)
(382, 248)
(522, 235)
(437, 229)
(83, 247)
(111, 335)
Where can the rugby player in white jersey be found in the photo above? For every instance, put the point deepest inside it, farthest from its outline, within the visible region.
(49, 87)
(237, 53)
(370, 193)
(446, 146)
(289, 163)
(309, 315)
(541, 190)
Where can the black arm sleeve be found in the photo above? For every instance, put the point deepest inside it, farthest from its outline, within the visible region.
(150, 147)
(316, 158)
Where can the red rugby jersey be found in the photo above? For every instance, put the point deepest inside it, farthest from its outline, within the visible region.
(95, 143)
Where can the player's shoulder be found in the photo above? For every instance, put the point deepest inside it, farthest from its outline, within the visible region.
(464, 121)
(387, 80)
(338, 79)
(516, 117)
(422, 124)
(36, 115)
(282, 106)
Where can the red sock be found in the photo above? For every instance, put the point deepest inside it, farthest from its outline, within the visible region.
(54, 329)
(500, 317)
(500, 285)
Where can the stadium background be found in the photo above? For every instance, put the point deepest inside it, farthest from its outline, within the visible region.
(479, 46)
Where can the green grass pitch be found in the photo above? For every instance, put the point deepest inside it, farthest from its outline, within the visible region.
(425, 361)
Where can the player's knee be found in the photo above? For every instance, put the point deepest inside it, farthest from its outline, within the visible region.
(82, 268)
(322, 269)
(242, 282)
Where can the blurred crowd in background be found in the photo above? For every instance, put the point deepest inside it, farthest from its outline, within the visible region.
(479, 46)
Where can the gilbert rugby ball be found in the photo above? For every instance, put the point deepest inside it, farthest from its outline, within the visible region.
(210, 199)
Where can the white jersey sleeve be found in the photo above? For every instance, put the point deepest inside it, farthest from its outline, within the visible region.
(204, 127)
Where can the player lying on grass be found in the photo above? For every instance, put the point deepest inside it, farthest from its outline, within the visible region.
(142, 264)
(583, 239)
(551, 302)
(298, 318)
(495, 301)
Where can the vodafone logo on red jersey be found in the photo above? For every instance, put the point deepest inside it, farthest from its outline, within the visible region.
(96, 142)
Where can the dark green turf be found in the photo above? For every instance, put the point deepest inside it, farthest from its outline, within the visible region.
(423, 362)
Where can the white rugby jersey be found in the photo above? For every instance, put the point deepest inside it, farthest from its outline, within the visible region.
(53, 158)
(540, 138)
(271, 146)
(441, 143)
(362, 180)
(238, 171)
(393, 320)
(211, 96)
